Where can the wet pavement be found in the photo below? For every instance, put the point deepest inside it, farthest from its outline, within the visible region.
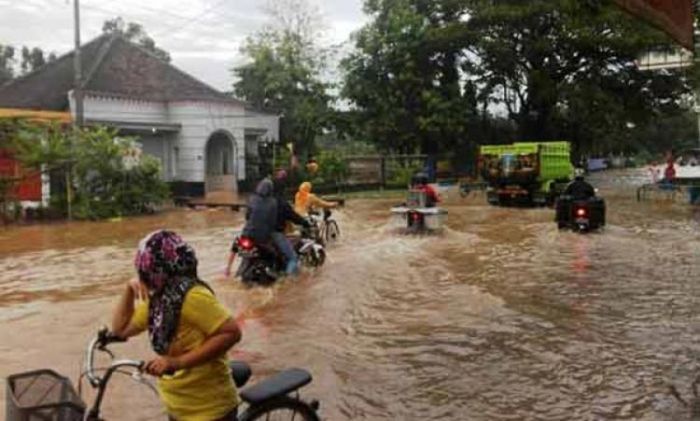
(502, 317)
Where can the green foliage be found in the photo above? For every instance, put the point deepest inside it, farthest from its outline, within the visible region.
(283, 76)
(104, 186)
(332, 168)
(32, 59)
(566, 69)
(404, 77)
(136, 33)
(428, 75)
(402, 175)
(7, 60)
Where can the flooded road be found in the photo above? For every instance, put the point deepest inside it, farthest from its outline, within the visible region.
(502, 317)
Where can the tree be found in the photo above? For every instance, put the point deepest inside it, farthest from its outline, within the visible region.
(436, 76)
(135, 32)
(104, 185)
(565, 68)
(284, 73)
(404, 77)
(32, 59)
(7, 59)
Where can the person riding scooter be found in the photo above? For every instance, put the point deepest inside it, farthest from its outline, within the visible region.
(579, 208)
(420, 183)
(285, 214)
(579, 189)
(305, 201)
(261, 217)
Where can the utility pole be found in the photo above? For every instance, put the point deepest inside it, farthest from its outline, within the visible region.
(77, 63)
(78, 98)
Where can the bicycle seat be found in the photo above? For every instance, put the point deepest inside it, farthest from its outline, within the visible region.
(278, 385)
(240, 372)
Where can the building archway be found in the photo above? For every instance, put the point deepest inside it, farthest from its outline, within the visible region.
(220, 162)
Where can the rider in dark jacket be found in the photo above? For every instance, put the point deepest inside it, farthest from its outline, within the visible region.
(285, 213)
(580, 189)
(262, 209)
(261, 215)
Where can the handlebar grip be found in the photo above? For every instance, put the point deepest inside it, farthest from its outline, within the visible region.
(111, 338)
(105, 337)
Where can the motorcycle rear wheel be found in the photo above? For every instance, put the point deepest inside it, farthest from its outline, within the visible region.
(314, 258)
(258, 274)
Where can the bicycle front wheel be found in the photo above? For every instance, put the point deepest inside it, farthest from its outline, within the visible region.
(283, 408)
(332, 232)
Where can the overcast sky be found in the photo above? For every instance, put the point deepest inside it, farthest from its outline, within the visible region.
(202, 36)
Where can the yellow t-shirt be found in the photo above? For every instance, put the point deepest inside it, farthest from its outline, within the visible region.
(205, 392)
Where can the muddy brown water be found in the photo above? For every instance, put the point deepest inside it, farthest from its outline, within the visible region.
(500, 318)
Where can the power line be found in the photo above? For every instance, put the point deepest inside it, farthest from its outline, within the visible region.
(153, 11)
(194, 19)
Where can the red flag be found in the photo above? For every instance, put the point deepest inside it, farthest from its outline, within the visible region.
(675, 17)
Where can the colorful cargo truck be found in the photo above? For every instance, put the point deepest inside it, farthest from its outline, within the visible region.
(532, 173)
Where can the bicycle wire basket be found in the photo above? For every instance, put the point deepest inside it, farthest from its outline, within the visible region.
(42, 395)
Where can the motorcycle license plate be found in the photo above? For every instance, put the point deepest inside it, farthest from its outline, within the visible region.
(581, 220)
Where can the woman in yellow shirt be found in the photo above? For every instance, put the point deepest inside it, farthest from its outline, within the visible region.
(305, 201)
(188, 327)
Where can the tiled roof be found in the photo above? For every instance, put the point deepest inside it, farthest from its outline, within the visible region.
(112, 66)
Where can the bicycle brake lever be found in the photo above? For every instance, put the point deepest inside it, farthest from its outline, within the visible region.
(106, 350)
(139, 377)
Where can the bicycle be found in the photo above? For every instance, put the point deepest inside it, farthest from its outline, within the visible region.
(269, 397)
(328, 229)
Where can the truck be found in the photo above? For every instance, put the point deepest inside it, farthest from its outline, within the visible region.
(526, 173)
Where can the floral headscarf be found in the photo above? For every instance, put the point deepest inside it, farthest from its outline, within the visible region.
(168, 267)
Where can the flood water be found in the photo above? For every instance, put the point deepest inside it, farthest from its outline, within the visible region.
(502, 317)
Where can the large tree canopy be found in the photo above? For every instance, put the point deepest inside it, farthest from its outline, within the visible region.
(429, 74)
(31, 59)
(284, 73)
(567, 68)
(404, 76)
(7, 59)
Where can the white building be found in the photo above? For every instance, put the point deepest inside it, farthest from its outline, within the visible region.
(205, 140)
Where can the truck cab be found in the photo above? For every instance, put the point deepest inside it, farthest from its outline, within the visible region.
(525, 173)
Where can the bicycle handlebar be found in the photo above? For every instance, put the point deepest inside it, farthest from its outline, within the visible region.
(103, 338)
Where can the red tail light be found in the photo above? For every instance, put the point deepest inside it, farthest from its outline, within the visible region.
(415, 216)
(245, 243)
(581, 212)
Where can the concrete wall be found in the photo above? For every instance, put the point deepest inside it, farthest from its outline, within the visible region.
(112, 109)
(269, 123)
(202, 119)
(184, 154)
(160, 146)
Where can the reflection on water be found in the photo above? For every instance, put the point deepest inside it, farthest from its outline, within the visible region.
(502, 317)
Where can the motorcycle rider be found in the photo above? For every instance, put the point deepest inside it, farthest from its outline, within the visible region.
(285, 214)
(305, 201)
(420, 183)
(579, 189)
(261, 216)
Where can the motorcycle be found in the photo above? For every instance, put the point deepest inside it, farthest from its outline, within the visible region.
(263, 264)
(416, 217)
(580, 215)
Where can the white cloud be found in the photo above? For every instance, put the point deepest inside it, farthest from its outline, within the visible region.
(203, 40)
